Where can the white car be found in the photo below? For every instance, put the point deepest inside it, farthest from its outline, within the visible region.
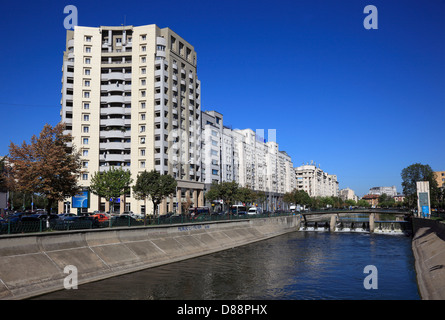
(254, 210)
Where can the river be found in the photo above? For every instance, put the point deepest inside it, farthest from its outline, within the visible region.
(294, 266)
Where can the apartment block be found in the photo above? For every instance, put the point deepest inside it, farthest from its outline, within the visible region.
(131, 99)
(440, 178)
(348, 194)
(245, 157)
(315, 181)
(389, 191)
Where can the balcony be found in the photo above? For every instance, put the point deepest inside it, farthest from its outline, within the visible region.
(114, 134)
(114, 146)
(118, 122)
(115, 99)
(115, 87)
(115, 76)
(106, 168)
(113, 110)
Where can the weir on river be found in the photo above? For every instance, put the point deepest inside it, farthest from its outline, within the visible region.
(385, 223)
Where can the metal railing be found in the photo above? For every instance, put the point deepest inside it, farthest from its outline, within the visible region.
(82, 223)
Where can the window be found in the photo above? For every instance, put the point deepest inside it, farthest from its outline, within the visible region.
(143, 37)
(143, 70)
(143, 60)
(87, 38)
(86, 106)
(87, 60)
(143, 48)
(87, 83)
(87, 72)
(118, 40)
(214, 152)
(86, 94)
(142, 105)
(214, 171)
(86, 129)
(86, 117)
(142, 116)
(84, 176)
(87, 49)
(143, 93)
(143, 82)
(142, 152)
(142, 164)
(85, 164)
(142, 129)
(85, 153)
(215, 143)
(142, 140)
(85, 140)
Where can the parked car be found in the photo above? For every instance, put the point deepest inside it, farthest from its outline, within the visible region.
(76, 222)
(101, 217)
(124, 220)
(238, 210)
(254, 210)
(199, 213)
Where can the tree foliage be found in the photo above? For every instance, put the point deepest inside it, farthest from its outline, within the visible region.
(418, 172)
(111, 184)
(226, 191)
(45, 166)
(154, 185)
(297, 197)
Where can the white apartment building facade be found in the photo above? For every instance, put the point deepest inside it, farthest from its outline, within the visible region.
(390, 191)
(131, 99)
(245, 157)
(315, 181)
(348, 194)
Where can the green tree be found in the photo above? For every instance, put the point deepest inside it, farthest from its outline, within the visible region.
(246, 195)
(350, 202)
(363, 203)
(298, 197)
(418, 172)
(111, 184)
(46, 166)
(260, 197)
(154, 185)
(225, 191)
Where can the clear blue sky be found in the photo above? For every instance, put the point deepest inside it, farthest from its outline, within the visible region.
(362, 103)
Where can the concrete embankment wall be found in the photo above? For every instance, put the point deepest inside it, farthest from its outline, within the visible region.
(429, 252)
(34, 264)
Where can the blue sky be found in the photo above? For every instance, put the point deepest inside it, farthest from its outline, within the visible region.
(363, 104)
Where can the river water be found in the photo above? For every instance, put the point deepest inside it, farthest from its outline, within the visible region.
(295, 266)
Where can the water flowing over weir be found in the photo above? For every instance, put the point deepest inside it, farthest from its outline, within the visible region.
(356, 222)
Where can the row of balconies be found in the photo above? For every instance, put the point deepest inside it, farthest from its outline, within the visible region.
(115, 110)
(115, 157)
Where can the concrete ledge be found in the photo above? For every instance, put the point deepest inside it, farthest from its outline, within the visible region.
(429, 252)
(34, 264)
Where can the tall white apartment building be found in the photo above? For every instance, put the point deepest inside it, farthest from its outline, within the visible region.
(211, 142)
(245, 157)
(131, 99)
(315, 181)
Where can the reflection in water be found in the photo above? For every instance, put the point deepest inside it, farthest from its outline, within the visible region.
(300, 265)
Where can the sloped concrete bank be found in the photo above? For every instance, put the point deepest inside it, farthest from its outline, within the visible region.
(34, 264)
(429, 252)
